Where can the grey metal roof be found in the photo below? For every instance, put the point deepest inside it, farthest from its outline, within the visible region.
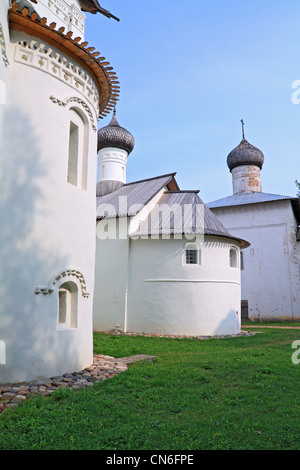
(136, 194)
(185, 213)
(247, 198)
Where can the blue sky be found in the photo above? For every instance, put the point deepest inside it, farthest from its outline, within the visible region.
(189, 71)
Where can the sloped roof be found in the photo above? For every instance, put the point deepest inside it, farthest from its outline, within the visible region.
(255, 198)
(23, 17)
(247, 198)
(185, 211)
(137, 195)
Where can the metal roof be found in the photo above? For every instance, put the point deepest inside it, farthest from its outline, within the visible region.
(185, 213)
(256, 198)
(247, 198)
(137, 195)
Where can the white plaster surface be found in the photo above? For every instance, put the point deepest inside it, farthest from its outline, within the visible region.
(66, 13)
(48, 227)
(270, 279)
(112, 164)
(148, 288)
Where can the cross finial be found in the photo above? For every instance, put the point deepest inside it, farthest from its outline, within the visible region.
(243, 128)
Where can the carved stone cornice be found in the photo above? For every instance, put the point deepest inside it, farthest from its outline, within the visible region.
(99, 69)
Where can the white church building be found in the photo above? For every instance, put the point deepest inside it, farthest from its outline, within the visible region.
(53, 89)
(270, 266)
(78, 254)
(164, 262)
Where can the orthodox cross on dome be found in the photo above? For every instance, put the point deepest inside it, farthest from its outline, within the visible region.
(243, 128)
(93, 6)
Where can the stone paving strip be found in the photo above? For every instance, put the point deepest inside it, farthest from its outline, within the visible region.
(103, 367)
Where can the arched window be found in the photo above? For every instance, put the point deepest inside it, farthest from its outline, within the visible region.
(192, 254)
(233, 258)
(78, 161)
(67, 305)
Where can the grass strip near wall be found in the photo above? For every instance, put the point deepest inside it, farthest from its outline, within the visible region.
(228, 394)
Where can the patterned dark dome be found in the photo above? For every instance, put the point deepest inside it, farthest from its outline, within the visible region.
(113, 135)
(245, 154)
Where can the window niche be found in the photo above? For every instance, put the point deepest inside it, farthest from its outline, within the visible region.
(191, 254)
(78, 150)
(68, 305)
(242, 262)
(233, 257)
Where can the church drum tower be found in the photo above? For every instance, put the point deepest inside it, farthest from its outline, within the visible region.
(56, 88)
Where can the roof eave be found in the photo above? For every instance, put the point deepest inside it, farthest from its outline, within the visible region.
(105, 79)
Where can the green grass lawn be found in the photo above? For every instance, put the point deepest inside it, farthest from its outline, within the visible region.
(236, 393)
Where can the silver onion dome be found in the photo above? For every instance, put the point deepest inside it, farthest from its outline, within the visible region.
(113, 135)
(245, 154)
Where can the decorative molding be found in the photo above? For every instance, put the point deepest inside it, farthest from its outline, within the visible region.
(77, 18)
(79, 101)
(195, 281)
(69, 14)
(3, 47)
(64, 274)
(41, 56)
(86, 58)
(44, 290)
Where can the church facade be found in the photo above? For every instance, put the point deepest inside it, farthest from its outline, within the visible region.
(165, 264)
(144, 256)
(270, 270)
(54, 87)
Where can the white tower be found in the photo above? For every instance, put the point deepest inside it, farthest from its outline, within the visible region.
(114, 145)
(245, 163)
(56, 88)
(4, 63)
(64, 13)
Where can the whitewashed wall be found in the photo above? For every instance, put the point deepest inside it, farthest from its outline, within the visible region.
(163, 295)
(66, 13)
(111, 278)
(4, 63)
(270, 279)
(49, 224)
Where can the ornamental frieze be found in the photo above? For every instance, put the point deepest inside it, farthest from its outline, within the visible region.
(41, 56)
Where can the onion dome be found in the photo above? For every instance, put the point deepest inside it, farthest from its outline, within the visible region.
(245, 154)
(113, 135)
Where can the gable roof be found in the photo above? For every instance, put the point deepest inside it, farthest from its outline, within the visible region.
(137, 195)
(186, 212)
(255, 198)
(186, 215)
